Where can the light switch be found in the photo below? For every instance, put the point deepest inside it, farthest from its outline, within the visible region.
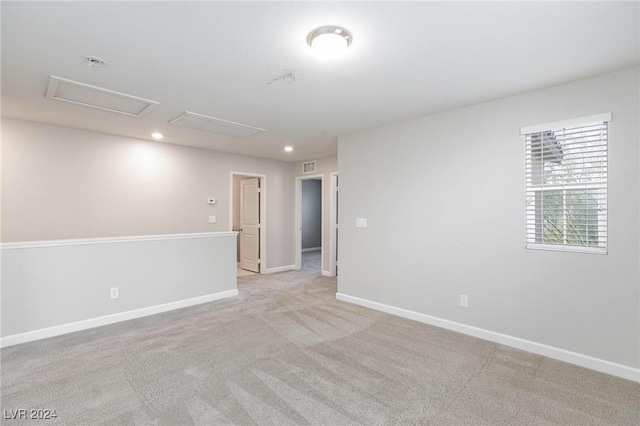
(361, 222)
(212, 219)
(211, 200)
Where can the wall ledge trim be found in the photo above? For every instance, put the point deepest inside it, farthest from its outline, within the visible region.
(71, 327)
(112, 240)
(597, 364)
(279, 269)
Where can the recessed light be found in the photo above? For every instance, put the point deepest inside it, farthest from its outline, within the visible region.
(329, 39)
(157, 135)
(288, 148)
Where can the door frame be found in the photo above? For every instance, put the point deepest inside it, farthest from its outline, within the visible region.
(298, 220)
(333, 223)
(263, 212)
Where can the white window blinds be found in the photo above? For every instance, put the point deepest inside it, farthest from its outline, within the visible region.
(566, 185)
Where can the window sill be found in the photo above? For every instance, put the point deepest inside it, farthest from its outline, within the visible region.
(569, 249)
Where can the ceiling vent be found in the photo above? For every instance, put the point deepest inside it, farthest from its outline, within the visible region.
(309, 167)
(62, 89)
(215, 125)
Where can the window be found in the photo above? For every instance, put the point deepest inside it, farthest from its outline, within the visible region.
(566, 185)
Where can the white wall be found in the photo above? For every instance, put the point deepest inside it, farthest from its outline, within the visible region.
(324, 166)
(444, 199)
(61, 183)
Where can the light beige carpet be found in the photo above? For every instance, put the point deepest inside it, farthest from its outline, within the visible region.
(287, 352)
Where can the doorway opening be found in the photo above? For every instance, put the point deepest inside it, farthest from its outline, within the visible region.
(248, 219)
(309, 247)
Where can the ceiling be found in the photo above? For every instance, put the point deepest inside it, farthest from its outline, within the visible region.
(249, 63)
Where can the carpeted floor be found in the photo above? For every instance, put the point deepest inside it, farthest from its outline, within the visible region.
(287, 352)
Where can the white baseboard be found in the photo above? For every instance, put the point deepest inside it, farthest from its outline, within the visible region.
(326, 274)
(311, 249)
(586, 361)
(71, 327)
(279, 269)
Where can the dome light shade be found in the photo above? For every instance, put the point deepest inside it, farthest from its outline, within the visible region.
(329, 39)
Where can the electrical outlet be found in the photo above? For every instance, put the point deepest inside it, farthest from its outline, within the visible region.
(115, 293)
(464, 300)
(212, 219)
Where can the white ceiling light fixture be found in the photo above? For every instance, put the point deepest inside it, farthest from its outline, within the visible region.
(329, 39)
(288, 148)
(157, 135)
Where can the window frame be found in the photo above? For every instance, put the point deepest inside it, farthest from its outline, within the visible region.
(542, 188)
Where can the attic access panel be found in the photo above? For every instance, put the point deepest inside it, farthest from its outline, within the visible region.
(215, 125)
(83, 94)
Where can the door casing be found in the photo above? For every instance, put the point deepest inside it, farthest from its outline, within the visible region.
(333, 223)
(263, 212)
(298, 221)
(250, 224)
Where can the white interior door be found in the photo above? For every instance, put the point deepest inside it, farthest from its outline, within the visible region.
(250, 224)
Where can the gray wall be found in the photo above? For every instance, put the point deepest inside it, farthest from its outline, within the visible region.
(45, 287)
(444, 199)
(61, 183)
(311, 213)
